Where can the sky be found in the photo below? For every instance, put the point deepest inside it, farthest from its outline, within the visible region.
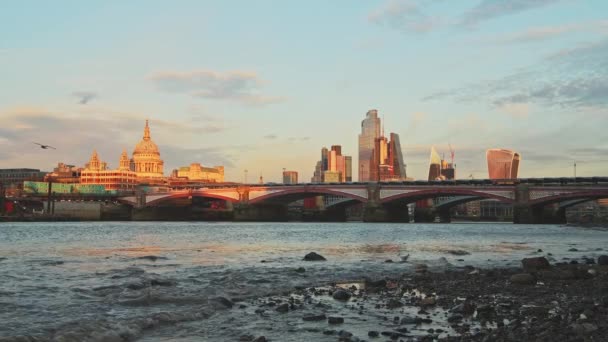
(264, 85)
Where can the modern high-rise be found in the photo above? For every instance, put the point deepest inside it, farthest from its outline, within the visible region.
(333, 166)
(434, 165)
(348, 168)
(290, 177)
(503, 164)
(395, 157)
(370, 131)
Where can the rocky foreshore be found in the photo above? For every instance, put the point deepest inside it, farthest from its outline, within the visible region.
(537, 302)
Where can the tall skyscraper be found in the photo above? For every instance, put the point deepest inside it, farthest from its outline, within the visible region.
(370, 130)
(434, 165)
(503, 164)
(395, 157)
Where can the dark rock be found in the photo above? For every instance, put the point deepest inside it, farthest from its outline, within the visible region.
(300, 270)
(408, 320)
(312, 256)
(428, 301)
(152, 258)
(455, 318)
(394, 303)
(375, 284)
(573, 250)
(261, 339)
(341, 294)
(335, 320)
(523, 279)
(312, 318)
(589, 261)
(466, 308)
(282, 308)
(533, 264)
(345, 334)
(539, 250)
(246, 338)
(458, 252)
(373, 334)
(329, 332)
(602, 260)
(388, 260)
(227, 303)
(573, 262)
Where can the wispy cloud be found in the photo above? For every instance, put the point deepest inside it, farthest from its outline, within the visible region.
(575, 78)
(536, 34)
(491, 9)
(84, 97)
(406, 15)
(240, 86)
(270, 136)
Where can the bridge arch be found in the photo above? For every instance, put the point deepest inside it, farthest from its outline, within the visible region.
(291, 195)
(188, 194)
(570, 198)
(471, 195)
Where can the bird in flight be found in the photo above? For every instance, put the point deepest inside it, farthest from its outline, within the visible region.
(44, 147)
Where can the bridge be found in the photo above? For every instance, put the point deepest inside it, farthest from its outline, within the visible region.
(533, 201)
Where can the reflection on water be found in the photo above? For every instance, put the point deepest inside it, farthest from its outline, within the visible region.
(113, 277)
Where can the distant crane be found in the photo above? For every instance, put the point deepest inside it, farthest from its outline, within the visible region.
(452, 153)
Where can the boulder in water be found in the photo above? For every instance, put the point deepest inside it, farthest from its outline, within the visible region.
(312, 256)
(602, 260)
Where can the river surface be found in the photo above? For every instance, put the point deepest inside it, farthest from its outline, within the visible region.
(152, 281)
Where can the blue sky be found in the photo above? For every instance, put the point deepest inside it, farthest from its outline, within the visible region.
(263, 85)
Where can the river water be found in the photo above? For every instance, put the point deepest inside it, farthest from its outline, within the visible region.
(151, 281)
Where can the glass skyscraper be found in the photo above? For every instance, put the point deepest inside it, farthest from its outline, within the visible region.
(370, 130)
(503, 164)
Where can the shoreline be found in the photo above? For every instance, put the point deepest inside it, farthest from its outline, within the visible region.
(539, 302)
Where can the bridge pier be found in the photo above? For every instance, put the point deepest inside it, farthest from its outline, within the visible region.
(425, 215)
(445, 216)
(260, 212)
(386, 213)
(527, 214)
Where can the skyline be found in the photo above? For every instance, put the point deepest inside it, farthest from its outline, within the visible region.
(257, 87)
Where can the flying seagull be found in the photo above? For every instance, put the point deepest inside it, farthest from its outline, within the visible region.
(44, 147)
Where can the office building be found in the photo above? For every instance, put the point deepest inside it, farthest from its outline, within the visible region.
(434, 165)
(290, 177)
(503, 164)
(370, 131)
(197, 172)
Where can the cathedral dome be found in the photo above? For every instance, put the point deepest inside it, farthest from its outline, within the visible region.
(146, 157)
(146, 145)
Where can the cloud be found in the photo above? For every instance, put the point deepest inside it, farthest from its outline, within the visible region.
(491, 9)
(406, 15)
(270, 136)
(240, 86)
(575, 78)
(84, 97)
(536, 34)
